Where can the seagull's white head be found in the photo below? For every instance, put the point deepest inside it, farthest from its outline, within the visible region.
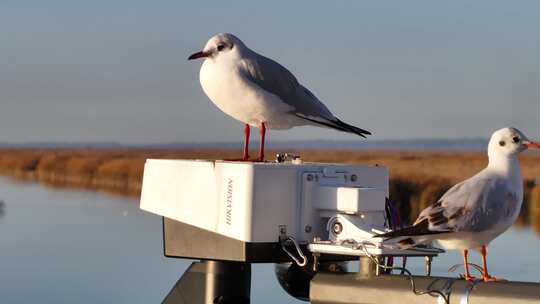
(221, 45)
(508, 142)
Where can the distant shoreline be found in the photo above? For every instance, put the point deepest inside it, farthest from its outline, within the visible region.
(418, 178)
(466, 144)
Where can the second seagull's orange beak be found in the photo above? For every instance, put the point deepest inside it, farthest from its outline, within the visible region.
(533, 145)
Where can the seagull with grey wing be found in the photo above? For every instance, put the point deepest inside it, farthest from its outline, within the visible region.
(474, 212)
(259, 91)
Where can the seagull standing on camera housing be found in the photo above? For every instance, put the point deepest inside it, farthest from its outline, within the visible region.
(259, 91)
(474, 212)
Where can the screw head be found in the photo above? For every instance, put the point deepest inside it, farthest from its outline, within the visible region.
(307, 229)
(354, 178)
(309, 177)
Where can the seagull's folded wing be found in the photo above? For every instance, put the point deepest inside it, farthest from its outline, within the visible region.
(475, 205)
(276, 79)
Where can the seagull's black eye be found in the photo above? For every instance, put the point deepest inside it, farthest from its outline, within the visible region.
(220, 47)
(515, 139)
(502, 143)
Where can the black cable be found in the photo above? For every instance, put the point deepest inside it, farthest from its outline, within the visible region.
(431, 292)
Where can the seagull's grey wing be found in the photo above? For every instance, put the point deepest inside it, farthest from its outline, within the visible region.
(276, 79)
(474, 205)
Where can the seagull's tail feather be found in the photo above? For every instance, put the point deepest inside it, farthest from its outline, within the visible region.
(406, 244)
(351, 129)
(415, 242)
(419, 229)
(338, 125)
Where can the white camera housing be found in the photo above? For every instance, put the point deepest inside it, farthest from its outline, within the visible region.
(239, 211)
(251, 201)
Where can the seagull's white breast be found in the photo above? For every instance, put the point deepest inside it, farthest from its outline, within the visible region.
(469, 240)
(241, 99)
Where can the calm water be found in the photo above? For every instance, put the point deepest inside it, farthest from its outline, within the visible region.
(62, 246)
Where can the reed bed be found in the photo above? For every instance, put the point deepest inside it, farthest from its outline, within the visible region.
(418, 178)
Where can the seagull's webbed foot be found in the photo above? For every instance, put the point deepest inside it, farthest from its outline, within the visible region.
(486, 277)
(467, 275)
(490, 278)
(468, 278)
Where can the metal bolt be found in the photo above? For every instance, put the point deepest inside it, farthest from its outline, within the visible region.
(428, 260)
(315, 262)
(309, 177)
(282, 229)
(377, 268)
(337, 228)
(354, 178)
(307, 229)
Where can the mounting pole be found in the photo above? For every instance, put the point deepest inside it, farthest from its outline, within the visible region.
(351, 288)
(367, 268)
(212, 282)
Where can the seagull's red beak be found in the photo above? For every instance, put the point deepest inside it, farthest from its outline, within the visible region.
(533, 145)
(200, 54)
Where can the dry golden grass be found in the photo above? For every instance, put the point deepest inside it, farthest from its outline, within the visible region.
(418, 178)
(453, 166)
(121, 174)
(19, 164)
(533, 208)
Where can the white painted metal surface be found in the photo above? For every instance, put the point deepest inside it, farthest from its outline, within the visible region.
(355, 190)
(351, 200)
(250, 201)
(374, 249)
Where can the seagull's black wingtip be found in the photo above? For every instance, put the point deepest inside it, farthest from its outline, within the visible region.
(338, 125)
(419, 229)
(352, 129)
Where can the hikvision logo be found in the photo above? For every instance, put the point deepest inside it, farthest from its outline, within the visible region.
(228, 206)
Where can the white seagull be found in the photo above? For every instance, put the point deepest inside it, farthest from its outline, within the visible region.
(474, 212)
(259, 91)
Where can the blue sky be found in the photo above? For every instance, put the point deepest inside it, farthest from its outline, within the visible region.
(75, 71)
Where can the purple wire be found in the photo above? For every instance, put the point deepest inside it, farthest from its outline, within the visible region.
(395, 220)
(394, 214)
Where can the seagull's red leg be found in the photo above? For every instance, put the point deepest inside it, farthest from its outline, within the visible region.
(467, 276)
(261, 147)
(245, 154)
(486, 277)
